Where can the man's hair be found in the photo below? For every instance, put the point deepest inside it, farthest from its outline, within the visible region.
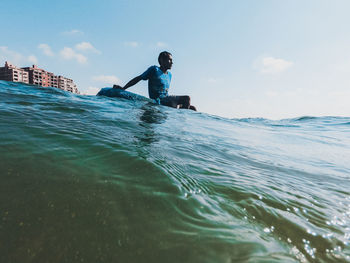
(163, 55)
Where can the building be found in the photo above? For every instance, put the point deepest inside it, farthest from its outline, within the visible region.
(36, 76)
(67, 84)
(54, 80)
(11, 73)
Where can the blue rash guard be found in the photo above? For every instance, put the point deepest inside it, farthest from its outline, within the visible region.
(158, 82)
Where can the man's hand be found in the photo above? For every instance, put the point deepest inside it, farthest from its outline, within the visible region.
(117, 87)
(129, 84)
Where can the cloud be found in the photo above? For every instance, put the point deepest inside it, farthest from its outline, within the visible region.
(12, 56)
(15, 57)
(91, 90)
(73, 32)
(86, 46)
(271, 65)
(46, 49)
(132, 44)
(213, 80)
(68, 54)
(32, 59)
(161, 44)
(106, 79)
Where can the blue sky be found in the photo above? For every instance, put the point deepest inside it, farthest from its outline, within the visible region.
(252, 58)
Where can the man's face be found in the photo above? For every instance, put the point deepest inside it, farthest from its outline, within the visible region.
(167, 61)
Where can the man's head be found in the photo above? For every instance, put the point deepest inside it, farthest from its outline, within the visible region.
(165, 60)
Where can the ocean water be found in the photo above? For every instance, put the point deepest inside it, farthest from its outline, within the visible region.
(95, 179)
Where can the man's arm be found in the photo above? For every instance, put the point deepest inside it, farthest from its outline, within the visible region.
(132, 82)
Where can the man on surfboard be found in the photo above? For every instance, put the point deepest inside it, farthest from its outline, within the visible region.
(158, 84)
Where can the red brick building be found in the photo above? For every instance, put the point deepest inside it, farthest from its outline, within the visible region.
(36, 76)
(67, 84)
(11, 73)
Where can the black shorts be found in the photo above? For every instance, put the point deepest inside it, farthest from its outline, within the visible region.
(174, 101)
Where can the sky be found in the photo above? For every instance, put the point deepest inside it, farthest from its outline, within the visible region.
(250, 58)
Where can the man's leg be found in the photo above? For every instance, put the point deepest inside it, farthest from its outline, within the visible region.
(192, 108)
(186, 103)
(172, 101)
(183, 102)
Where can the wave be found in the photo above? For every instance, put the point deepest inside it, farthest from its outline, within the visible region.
(94, 179)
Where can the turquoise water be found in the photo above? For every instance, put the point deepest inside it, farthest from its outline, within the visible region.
(95, 179)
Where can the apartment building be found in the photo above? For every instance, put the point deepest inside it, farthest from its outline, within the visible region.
(40, 77)
(36, 76)
(54, 80)
(12, 73)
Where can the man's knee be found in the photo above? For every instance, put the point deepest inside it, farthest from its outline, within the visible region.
(193, 108)
(187, 99)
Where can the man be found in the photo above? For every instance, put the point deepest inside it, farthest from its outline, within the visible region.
(158, 84)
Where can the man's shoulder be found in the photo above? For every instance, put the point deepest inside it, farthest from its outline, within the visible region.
(149, 73)
(153, 69)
